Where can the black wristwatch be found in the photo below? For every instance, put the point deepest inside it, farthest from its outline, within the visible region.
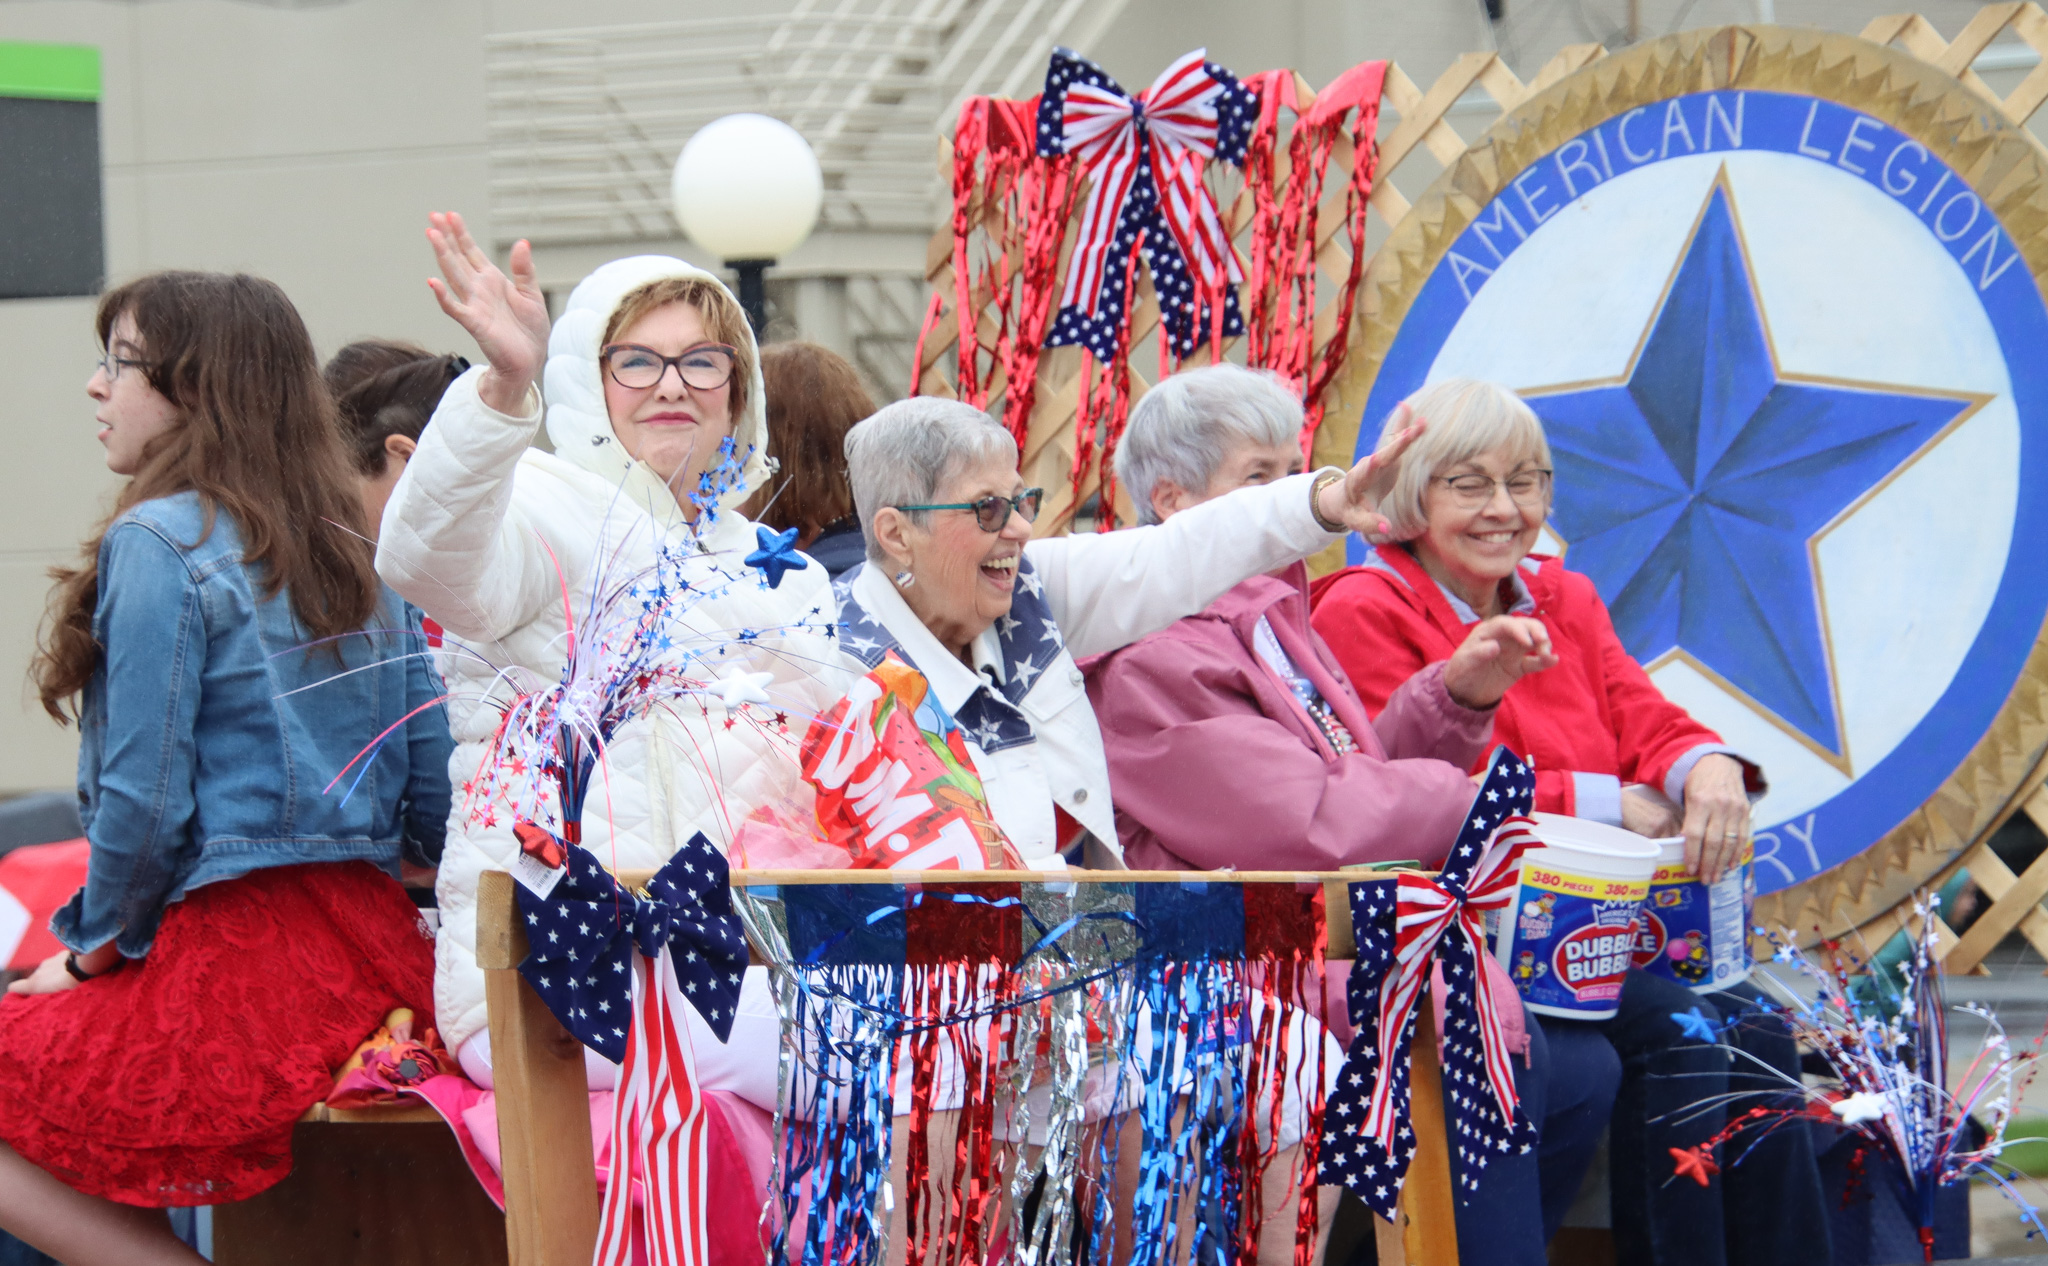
(78, 973)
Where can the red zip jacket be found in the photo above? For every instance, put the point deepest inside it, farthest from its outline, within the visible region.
(1593, 722)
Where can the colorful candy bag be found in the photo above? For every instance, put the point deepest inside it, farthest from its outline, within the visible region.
(387, 1062)
(896, 787)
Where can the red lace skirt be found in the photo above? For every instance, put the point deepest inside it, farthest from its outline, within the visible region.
(176, 1080)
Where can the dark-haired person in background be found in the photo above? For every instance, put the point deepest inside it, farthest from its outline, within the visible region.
(227, 652)
(814, 397)
(385, 391)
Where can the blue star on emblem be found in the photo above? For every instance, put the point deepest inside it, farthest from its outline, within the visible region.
(1694, 489)
(777, 555)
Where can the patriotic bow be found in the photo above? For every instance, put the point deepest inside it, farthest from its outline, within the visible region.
(1144, 157)
(583, 934)
(1367, 1139)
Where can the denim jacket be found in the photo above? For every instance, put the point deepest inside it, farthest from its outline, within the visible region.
(211, 731)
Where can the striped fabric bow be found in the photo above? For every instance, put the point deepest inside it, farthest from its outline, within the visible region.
(618, 968)
(1144, 157)
(1367, 1140)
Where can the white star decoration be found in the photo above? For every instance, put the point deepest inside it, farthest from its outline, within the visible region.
(737, 688)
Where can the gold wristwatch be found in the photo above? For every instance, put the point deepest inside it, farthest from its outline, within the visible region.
(1324, 478)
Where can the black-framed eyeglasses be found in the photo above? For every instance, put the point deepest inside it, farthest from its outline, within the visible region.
(112, 365)
(705, 367)
(992, 512)
(1525, 488)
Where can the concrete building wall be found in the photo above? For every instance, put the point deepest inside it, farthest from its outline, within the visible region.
(307, 142)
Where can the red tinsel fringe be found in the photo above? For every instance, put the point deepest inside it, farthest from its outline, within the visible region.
(1023, 205)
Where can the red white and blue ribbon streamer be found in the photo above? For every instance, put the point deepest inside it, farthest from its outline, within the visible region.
(660, 1136)
(1145, 157)
(614, 966)
(1367, 1139)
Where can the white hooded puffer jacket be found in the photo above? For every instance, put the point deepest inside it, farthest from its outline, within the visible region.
(475, 531)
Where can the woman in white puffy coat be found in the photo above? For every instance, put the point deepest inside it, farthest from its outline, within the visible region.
(485, 534)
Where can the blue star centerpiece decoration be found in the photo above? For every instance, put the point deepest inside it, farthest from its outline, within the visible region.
(1694, 490)
(777, 555)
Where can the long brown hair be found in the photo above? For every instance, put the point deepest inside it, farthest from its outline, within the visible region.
(814, 398)
(255, 438)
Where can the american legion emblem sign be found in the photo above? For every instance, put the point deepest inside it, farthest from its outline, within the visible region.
(1775, 296)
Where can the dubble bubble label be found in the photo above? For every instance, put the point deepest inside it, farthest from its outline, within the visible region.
(1571, 940)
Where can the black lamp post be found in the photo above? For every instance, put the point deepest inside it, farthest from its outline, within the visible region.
(753, 289)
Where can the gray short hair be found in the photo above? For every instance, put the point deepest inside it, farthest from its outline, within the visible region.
(1182, 428)
(903, 453)
(1466, 417)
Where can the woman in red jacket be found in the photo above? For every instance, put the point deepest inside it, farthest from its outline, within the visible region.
(1607, 744)
(1467, 507)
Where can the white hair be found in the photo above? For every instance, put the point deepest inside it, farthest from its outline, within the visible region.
(1183, 428)
(905, 452)
(1465, 418)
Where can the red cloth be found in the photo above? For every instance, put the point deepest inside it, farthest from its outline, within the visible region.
(175, 1081)
(1596, 712)
(42, 878)
(1214, 763)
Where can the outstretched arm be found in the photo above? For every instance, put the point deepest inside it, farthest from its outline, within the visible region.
(1196, 760)
(452, 542)
(1107, 590)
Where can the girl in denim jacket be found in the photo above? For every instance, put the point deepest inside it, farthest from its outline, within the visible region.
(227, 652)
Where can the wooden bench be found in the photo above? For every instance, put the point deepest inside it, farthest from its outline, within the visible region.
(386, 1185)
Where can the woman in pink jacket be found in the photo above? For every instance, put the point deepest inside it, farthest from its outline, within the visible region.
(1234, 740)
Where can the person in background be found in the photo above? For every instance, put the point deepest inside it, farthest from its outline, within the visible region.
(814, 398)
(385, 391)
(1234, 740)
(233, 667)
(1466, 511)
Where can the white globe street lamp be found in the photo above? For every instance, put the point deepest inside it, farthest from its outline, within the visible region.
(747, 188)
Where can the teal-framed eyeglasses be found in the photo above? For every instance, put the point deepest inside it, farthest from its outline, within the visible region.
(992, 512)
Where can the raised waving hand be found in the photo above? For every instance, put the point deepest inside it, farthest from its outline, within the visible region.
(1354, 500)
(507, 316)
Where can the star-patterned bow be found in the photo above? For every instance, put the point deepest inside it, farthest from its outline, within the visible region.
(581, 938)
(777, 555)
(1145, 157)
(1029, 641)
(1367, 1139)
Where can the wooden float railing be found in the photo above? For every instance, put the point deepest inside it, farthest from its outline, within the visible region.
(551, 1196)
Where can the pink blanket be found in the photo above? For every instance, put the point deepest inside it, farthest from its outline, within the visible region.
(740, 1152)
